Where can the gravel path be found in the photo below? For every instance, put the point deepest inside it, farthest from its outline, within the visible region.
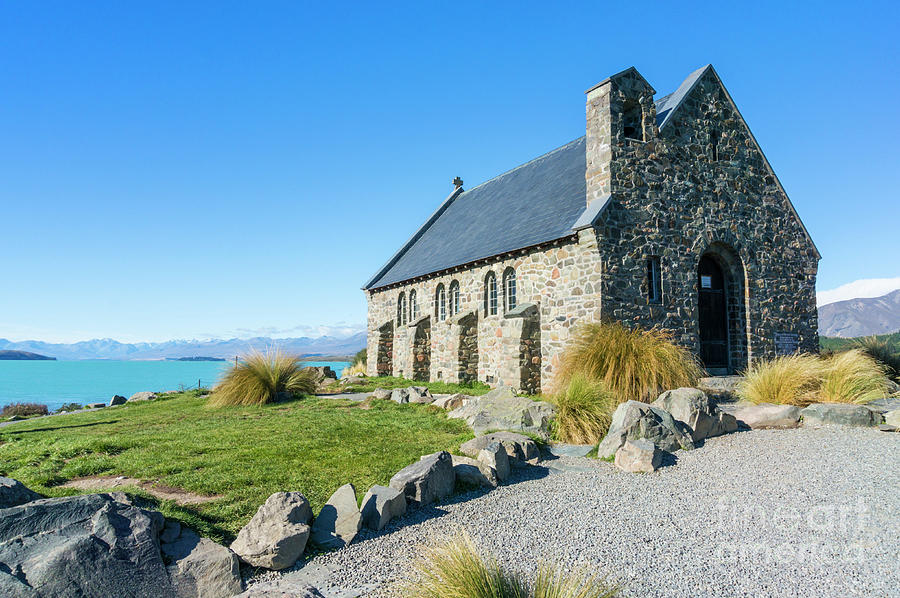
(806, 512)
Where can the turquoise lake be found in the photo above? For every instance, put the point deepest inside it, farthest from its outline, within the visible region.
(55, 383)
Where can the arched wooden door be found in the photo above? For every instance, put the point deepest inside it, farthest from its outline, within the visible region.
(713, 314)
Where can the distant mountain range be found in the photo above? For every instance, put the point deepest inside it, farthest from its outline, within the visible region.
(108, 348)
(22, 356)
(861, 317)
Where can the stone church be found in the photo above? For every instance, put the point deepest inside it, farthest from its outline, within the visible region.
(665, 213)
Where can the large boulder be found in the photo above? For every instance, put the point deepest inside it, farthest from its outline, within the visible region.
(14, 493)
(693, 408)
(381, 393)
(519, 448)
(764, 415)
(117, 400)
(494, 455)
(501, 409)
(339, 521)
(430, 479)
(634, 420)
(276, 536)
(474, 472)
(321, 373)
(892, 418)
(638, 456)
(420, 394)
(454, 401)
(97, 545)
(142, 396)
(380, 505)
(200, 568)
(839, 414)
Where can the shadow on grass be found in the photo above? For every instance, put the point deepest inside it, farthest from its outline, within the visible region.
(54, 428)
(202, 523)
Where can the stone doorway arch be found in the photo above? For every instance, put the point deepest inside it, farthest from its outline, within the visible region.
(722, 310)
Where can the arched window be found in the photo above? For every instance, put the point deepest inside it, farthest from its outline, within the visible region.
(714, 142)
(454, 298)
(490, 294)
(631, 120)
(413, 306)
(401, 309)
(509, 290)
(440, 303)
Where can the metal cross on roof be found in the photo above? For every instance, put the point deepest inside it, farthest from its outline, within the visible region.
(457, 182)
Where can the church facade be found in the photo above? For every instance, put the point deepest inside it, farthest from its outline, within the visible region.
(666, 213)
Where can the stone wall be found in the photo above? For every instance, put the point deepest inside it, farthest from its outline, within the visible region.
(561, 279)
(701, 185)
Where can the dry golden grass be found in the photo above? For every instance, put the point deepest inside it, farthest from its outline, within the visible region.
(853, 377)
(260, 378)
(848, 377)
(354, 370)
(634, 364)
(583, 411)
(455, 568)
(555, 582)
(787, 380)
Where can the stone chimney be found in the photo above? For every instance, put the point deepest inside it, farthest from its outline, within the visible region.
(620, 113)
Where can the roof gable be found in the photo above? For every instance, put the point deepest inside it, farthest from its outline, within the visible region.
(674, 100)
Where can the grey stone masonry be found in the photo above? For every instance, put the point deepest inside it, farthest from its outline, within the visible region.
(661, 191)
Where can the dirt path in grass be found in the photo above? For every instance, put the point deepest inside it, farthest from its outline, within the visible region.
(160, 491)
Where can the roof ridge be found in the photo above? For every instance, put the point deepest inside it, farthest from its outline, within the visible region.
(524, 164)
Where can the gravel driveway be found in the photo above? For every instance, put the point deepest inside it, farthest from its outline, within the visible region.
(806, 512)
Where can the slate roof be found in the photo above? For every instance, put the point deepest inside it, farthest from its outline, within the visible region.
(537, 202)
(540, 201)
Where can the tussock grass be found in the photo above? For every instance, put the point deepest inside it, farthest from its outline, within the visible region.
(634, 364)
(455, 568)
(882, 351)
(583, 411)
(260, 378)
(355, 369)
(24, 410)
(853, 377)
(555, 582)
(847, 377)
(786, 380)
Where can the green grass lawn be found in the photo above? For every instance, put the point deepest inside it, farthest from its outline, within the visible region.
(244, 454)
(474, 388)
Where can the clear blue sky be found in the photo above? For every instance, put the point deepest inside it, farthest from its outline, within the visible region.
(191, 169)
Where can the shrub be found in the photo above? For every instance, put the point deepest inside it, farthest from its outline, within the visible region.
(583, 411)
(361, 358)
(634, 364)
(456, 569)
(853, 377)
(883, 352)
(789, 380)
(69, 407)
(262, 378)
(24, 410)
